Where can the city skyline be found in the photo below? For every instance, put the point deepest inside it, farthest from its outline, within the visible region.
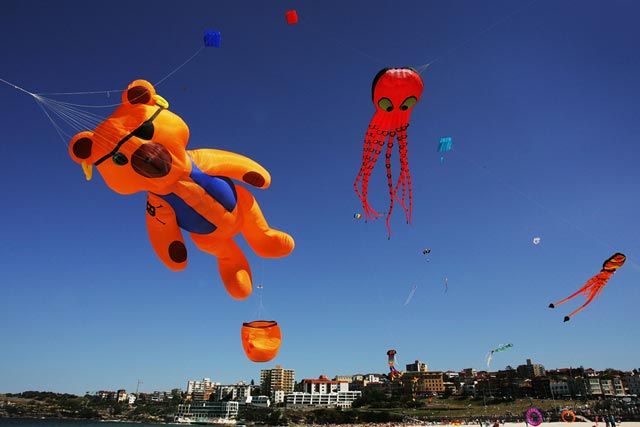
(540, 103)
(340, 377)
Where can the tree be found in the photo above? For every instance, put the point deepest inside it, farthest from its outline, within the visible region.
(176, 394)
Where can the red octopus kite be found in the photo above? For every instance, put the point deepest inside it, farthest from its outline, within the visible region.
(394, 92)
(594, 286)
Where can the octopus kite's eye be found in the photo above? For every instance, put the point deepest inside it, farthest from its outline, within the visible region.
(385, 104)
(408, 103)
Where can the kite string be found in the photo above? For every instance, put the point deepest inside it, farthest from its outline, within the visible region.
(94, 92)
(477, 35)
(19, 88)
(60, 132)
(39, 101)
(172, 72)
(180, 66)
(259, 281)
(342, 44)
(74, 117)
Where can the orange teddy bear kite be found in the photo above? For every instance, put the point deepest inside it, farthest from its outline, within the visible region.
(142, 147)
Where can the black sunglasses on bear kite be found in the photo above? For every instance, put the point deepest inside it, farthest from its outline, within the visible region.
(144, 131)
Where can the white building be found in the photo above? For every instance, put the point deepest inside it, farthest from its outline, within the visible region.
(132, 399)
(198, 385)
(207, 412)
(121, 396)
(559, 388)
(262, 401)
(239, 392)
(341, 399)
(277, 396)
(371, 378)
(323, 385)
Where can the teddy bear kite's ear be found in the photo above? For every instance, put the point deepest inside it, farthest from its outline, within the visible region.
(81, 151)
(139, 92)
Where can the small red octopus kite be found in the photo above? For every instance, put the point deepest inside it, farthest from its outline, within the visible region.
(594, 286)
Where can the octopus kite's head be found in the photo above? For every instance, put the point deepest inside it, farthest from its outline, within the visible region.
(140, 147)
(614, 262)
(396, 90)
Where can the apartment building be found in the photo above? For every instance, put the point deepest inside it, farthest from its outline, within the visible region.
(425, 382)
(632, 384)
(277, 378)
(559, 388)
(530, 370)
(239, 392)
(200, 390)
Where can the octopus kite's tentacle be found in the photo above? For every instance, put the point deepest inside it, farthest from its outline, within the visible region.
(384, 129)
(405, 176)
(367, 150)
(387, 164)
(370, 213)
(401, 184)
(406, 142)
(597, 288)
(374, 140)
(573, 295)
(597, 281)
(370, 153)
(379, 142)
(591, 289)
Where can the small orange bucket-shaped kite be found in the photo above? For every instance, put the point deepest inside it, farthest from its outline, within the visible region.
(261, 340)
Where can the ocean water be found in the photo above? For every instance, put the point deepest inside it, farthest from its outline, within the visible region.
(30, 422)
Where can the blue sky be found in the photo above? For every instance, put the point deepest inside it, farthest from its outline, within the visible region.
(543, 111)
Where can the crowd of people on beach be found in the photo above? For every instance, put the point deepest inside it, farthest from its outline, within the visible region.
(607, 419)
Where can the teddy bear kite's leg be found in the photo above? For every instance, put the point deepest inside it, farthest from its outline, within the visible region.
(232, 264)
(265, 241)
